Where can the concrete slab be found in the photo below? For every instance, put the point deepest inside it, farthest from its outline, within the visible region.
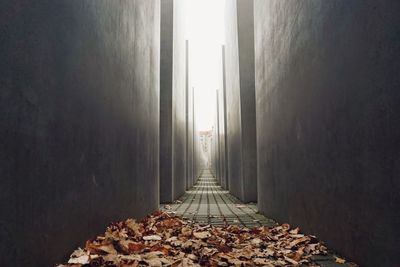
(239, 85)
(328, 129)
(79, 127)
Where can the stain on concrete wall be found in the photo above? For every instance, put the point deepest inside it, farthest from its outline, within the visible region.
(79, 128)
(328, 128)
(240, 98)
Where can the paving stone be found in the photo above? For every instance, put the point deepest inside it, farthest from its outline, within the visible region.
(207, 202)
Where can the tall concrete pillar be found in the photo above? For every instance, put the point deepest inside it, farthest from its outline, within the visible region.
(179, 138)
(328, 123)
(245, 26)
(220, 134)
(193, 136)
(79, 123)
(217, 140)
(194, 143)
(174, 102)
(224, 135)
(189, 121)
(166, 94)
(240, 97)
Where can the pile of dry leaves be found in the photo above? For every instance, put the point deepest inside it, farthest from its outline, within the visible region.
(165, 240)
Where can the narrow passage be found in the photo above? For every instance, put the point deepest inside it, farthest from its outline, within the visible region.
(208, 203)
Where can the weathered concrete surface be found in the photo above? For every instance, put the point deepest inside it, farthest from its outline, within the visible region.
(173, 112)
(223, 124)
(245, 24)
(212, 155)
(180, 165)
(216, 157)
(166, 95)
(198, 164)
(189, 121)
(177, 107)
(328, 128)
(79, 128)
(233, 99)
(240, 94)
(179, 138)
(220, 126)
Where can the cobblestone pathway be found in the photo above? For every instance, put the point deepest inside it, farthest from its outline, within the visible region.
(208, 203)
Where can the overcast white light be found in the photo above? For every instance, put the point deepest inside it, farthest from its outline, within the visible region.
(204, 28)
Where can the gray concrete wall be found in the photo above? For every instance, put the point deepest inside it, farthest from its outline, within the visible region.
(79, 128)
(245, 26)
(215, 170)
(179, 139)
(198, 160)
(223, 125)
(179, 162)
(233, 101)
(189, 121)
(216, 146)
(166, 95)
(221, 138)
(214, 153)
(328, 128)
(240, 94)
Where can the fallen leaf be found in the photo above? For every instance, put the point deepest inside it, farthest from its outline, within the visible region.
(201, 235)
(135, 247)
(152, 237)
(186, 231)
(256, 241)
(100, 248)
(162, 239)
(79, 256)
(339, 260)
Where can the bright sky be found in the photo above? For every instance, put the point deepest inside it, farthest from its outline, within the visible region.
(205, 32)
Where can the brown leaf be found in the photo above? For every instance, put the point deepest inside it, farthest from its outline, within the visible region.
(186, 231)
(202, 235)
(135, 247)
(291, 261)
(152, 237)
(339, 260)
(79, 256)
(100, 248)
(298, 241)
(162, 239)
(164, 249)
(263, 262)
